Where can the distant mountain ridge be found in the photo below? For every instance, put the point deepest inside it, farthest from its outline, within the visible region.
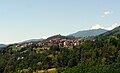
(87, 33)
(2, 45)
(60, 36)
(32, 40)
(80, 34)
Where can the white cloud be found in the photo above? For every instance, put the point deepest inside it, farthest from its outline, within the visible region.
(113, 26)
(106, 13)
(44, 37)
(97, 26)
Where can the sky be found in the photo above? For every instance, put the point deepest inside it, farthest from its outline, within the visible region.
(30, 19)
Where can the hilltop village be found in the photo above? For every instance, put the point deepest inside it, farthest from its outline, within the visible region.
(51, 42)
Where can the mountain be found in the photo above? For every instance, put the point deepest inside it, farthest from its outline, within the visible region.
(114, 32)
(32, 40)
(60, 36)
(2, 45)
(88, 33)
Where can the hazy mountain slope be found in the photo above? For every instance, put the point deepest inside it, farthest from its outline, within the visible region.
(32, 40)
(2, 45)
(87, 33)
(60, 36)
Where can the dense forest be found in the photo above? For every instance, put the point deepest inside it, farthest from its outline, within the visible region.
(101, 55)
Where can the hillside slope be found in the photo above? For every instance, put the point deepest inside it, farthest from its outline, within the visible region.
(87, 33)
(114, 32)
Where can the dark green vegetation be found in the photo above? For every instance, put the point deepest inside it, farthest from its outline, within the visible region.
(92, 56)
(100, 57)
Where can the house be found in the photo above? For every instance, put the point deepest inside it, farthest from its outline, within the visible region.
(76, 42)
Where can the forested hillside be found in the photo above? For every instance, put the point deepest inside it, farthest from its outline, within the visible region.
(90, 56)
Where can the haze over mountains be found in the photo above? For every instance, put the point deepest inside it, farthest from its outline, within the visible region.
(79, 34)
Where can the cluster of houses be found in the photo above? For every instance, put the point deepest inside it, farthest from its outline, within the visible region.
(63, 42)
(58, 41)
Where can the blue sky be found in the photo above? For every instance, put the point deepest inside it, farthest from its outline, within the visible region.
(27, 19)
